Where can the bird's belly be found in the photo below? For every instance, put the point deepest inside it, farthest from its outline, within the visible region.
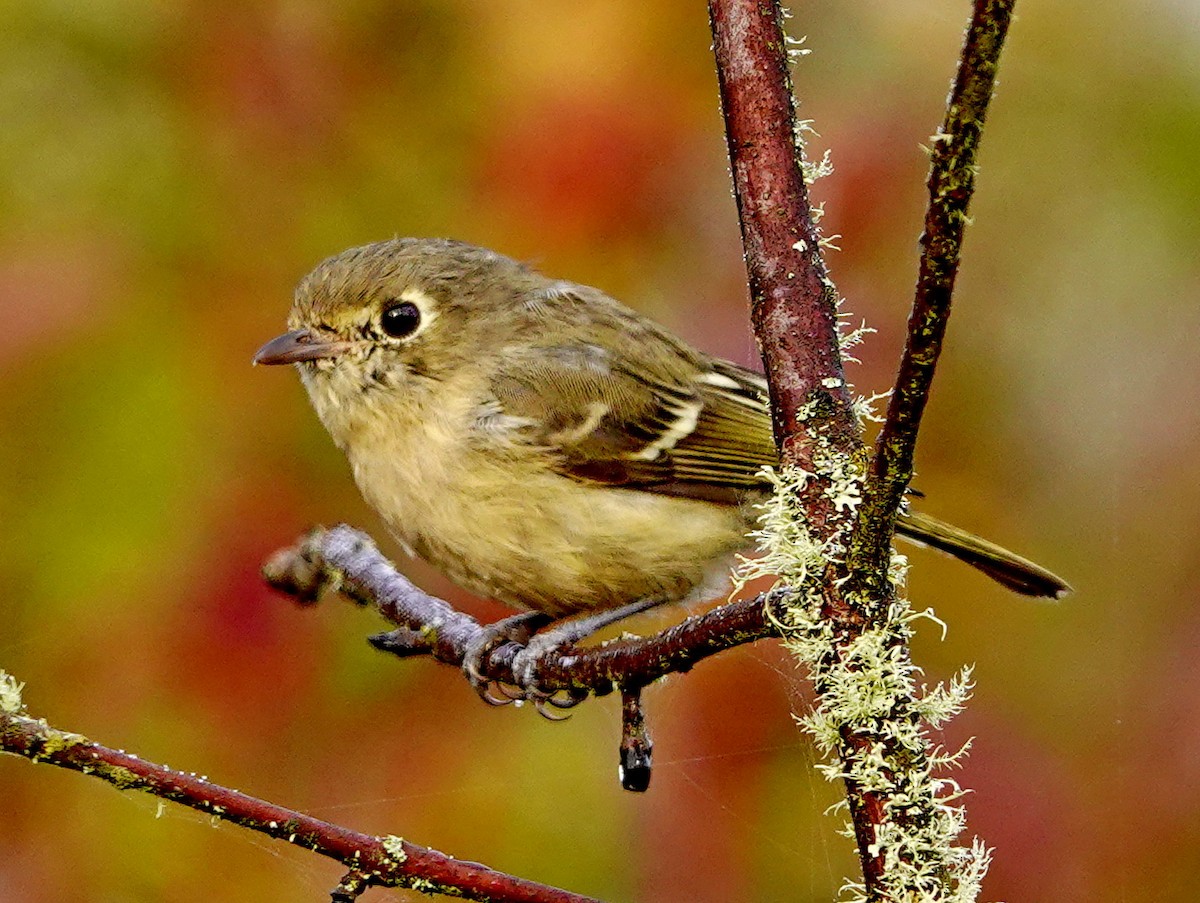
(546, 542)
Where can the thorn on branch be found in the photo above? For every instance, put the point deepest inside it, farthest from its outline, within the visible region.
(401, 642)
(350, 888)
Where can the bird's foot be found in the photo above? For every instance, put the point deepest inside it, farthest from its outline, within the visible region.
(552, 641)
(550, 704)
(516, 629)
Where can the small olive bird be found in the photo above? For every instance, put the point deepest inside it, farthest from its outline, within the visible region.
(541, 443)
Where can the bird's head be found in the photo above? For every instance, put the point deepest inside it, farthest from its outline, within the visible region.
(386, 323)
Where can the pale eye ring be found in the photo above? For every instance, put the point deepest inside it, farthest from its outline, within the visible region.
(400, 320)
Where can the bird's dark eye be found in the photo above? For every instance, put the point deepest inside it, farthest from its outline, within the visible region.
(401, 320)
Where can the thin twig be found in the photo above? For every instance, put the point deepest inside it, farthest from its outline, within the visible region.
(951, 183)
(636, 747)
(373, 861)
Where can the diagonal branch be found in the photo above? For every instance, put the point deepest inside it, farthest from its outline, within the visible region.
(373, 861)
(951, 184)
(345, 559)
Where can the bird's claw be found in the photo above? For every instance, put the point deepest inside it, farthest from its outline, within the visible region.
(540, 705)
(501, 694)
(553, 706)
(525, 672)
(526, 686)
(528, 659)
(516, 629)
(535, 649)
(484, 691)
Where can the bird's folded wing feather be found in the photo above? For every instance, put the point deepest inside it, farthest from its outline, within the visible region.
(676, 423)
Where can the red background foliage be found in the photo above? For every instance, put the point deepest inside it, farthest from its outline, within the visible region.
(168, 172)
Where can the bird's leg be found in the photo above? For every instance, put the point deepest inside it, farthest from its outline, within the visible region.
(514, 629)
(565, 633)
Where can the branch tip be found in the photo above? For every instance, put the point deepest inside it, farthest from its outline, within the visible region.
(636, 747)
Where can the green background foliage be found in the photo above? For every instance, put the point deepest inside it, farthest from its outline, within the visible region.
(169, 171)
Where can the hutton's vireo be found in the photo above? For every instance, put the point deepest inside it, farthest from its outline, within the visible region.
(539, 442)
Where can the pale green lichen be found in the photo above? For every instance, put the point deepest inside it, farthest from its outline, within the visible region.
(796, 48)
(863, 407)
(812, 170)
(10, 694)
(394, 847)
(849, 338)
(872, 718)
(433, 888)
(869, 689)
(817, 169)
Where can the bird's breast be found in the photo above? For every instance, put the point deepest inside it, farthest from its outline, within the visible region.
(504, 524)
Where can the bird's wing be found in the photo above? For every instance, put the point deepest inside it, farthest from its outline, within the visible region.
(690, 426)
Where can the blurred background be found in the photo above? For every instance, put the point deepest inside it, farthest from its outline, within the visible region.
(168, 171)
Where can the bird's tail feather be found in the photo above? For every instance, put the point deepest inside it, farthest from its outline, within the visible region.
(1005, 567)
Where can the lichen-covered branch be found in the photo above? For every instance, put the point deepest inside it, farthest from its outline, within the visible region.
(372, 861)
(871, 715)
(954, 153)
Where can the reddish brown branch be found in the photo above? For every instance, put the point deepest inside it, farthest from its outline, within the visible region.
(373, 861)
(793, 301)
(794, 304)
(951, 184)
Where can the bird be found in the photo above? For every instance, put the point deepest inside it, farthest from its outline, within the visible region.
(542, 444)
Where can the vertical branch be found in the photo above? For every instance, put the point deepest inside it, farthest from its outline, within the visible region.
(951, 184)
(793, 300)
(794, 312)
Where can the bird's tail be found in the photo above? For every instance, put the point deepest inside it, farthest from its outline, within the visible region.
(1005, 567)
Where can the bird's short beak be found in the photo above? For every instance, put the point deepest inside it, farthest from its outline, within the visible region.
(299, 345)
